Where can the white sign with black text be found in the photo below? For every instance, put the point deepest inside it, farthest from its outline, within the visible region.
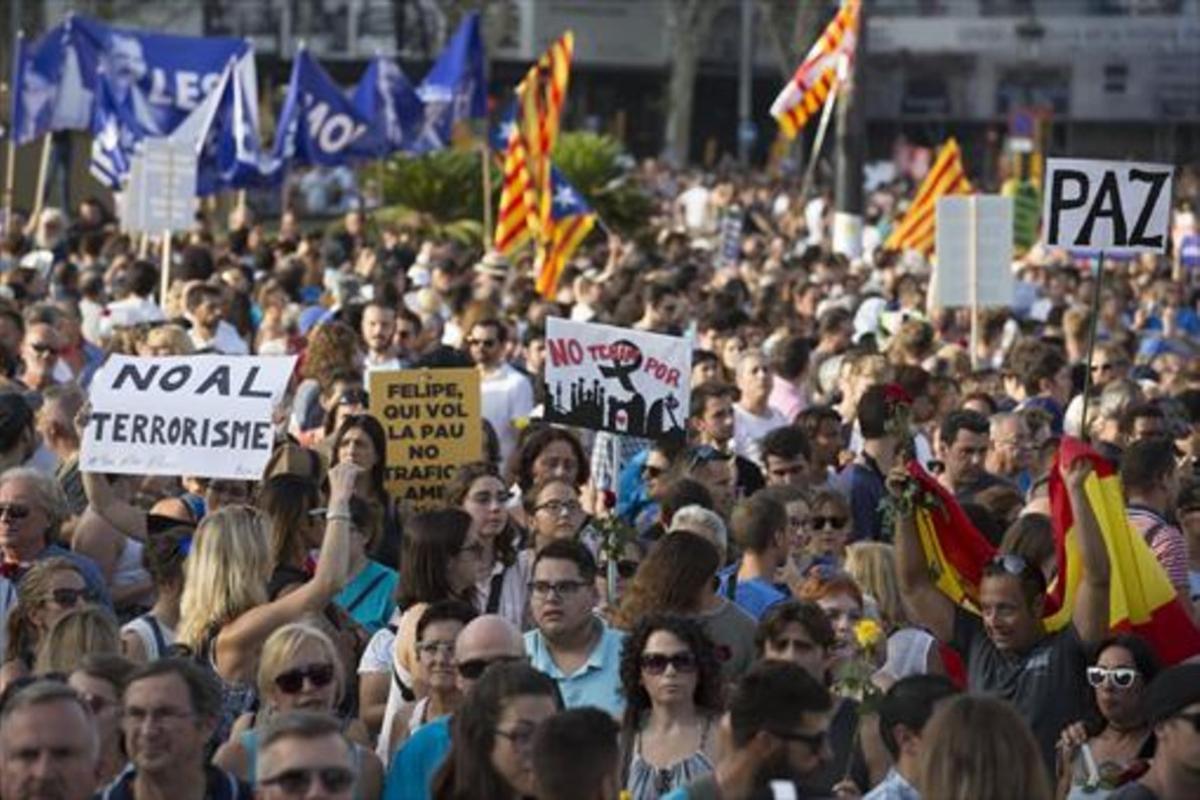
(210, 416)
(974, 252)
(1119, 207)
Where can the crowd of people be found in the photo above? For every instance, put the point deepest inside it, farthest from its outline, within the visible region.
(587, 614)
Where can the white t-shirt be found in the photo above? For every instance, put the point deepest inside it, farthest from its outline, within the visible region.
(695, 202)
(749, 430)
(507, 395)
(225, 341)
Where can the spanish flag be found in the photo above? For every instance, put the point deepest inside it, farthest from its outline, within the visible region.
(946, 177)
(817, 75)
(1142, 599)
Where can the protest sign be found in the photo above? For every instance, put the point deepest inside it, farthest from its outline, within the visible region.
(433, 426)
(161, 195)
(207, 415)
(974, 252)
(617, 379)
(1113, 206)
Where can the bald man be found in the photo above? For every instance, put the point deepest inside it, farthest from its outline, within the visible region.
(484, 641)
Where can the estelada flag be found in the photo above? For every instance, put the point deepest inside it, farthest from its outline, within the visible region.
(1142, 599)
(810, 86)
(947, 176)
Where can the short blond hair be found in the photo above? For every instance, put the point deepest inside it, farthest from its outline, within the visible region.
(172, 337)
(279, 653)
(872, 565)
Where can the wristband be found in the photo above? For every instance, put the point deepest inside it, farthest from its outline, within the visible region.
(338, 516)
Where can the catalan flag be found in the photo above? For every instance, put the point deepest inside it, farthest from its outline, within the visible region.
(1141, 600)
(571, 220)
(946, 177)
(517, 216)
(808, 89)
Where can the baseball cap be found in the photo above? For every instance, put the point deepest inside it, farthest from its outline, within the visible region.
(1171, 691)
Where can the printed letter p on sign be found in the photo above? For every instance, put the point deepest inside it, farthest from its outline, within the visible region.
(1119, 207)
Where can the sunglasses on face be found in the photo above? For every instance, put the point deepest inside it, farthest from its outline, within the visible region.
(626, 568)
(651, 472)
(14, 512)
(292, 681)
(299, 781)
(818, 523)
(1119, 678)
(814, 741)
(43, 349)
(69, 598)
(657, 663)
(472, 668)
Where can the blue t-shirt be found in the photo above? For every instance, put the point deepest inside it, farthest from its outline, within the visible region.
(413, 766)
(597, 683)
(754, 596)
(370, 596)
(863, 488)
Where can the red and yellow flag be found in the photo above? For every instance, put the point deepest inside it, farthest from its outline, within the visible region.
(1142, 599)
(946, 177)
(526, 193)
(809, 87)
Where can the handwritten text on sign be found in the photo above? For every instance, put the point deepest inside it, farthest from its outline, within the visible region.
(617, 379)
(208, 416)
(1115, 206)
(432, 422)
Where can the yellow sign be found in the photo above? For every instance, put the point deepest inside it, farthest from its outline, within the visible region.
(433, 426)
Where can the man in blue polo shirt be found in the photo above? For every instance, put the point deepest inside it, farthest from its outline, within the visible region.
(759, 526)
(571, 644)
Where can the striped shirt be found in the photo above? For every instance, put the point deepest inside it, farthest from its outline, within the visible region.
(1165, 540)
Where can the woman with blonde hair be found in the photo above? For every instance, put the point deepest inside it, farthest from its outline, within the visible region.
(225, 614)
(978, 748)
(166, 340)
(51, 588)
(300, 669)
(80, 632)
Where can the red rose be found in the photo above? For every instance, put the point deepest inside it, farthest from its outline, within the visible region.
(610, 499)
(894, 394)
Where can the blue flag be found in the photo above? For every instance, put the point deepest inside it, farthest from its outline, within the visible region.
(499, 133)
(53, 82)
(318, 124)
(389, 102)
(143, 84)
(455, 88)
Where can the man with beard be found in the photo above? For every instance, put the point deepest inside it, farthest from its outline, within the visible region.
(779, 733)
(49, 747)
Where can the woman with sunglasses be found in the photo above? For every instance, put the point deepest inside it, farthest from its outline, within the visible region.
(300, 670)
(1097, 755)
(225, 612)
(360, 440)
(437, 632)
(51, 588)
(99, 680)
(628, 561)
(491, 756)
(501, 585)
(828, 527)
(672, 685)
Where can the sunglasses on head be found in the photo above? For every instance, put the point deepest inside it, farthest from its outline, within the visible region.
(1119, 677)
(472, 668)
(657, 663)
(292, 681)
(298, 782)
(818, 523)
(14, 511)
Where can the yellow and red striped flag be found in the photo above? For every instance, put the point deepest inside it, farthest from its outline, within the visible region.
(946, 177)
(808, 89)
(1141, 597)
(525, 197)
(571, 220)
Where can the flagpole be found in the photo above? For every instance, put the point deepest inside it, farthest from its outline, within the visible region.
(486, 153)
(1085, 434)
(166, 268)
(11, 161)
(822, 127)
(43, 169)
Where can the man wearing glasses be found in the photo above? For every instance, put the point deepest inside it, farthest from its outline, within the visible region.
(779, 725)
(1006, 647)
(571, 644)
(485, 640)
(300, 749)
(169, 712)
(507, 395)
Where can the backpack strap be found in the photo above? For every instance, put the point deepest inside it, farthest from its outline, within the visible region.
(160, 641)
(494, 587)
(365, 593)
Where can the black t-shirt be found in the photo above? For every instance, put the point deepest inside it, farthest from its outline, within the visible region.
(1047, 685)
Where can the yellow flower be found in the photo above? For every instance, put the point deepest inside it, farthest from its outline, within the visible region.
(520, 423)
(868, 633)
